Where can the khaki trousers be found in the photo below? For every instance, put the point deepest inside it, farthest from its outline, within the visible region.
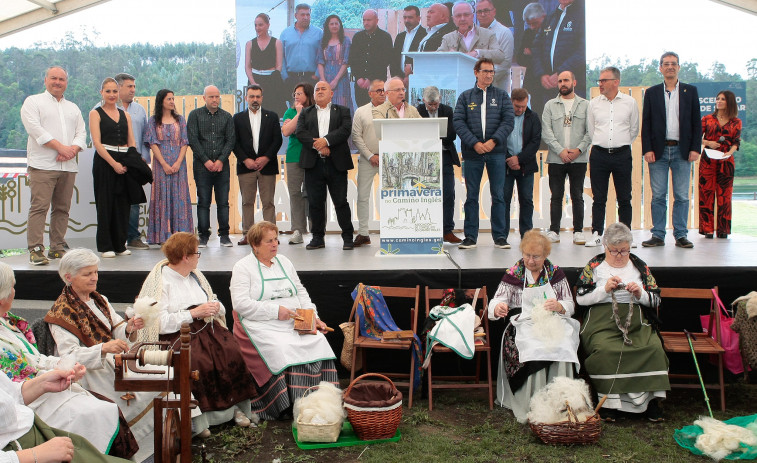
(249, 184)
(365, 175)
(298, 203)
(50, 189)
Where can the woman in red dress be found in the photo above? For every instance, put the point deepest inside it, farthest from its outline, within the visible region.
(721, 132)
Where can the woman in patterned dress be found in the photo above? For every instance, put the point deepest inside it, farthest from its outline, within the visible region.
(721, 131)
(170, 204)
(332, 61)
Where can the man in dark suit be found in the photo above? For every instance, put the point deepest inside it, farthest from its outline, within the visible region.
(323, 130)
(258, 139)
(432, 107)
(407, 40)
(522, 145)
(439, 25)
(671, 139)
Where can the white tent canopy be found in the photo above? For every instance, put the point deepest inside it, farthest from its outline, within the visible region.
(17, 15)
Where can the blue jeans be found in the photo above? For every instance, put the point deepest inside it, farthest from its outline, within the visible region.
(448, 197)
(525, 200)
(658, 178)
(132, 231)
(473, 170)
(207, 182)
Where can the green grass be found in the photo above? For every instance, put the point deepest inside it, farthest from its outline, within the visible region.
(738, 181)
(744, 218)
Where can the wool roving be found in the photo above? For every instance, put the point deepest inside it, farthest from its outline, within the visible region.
(719, 440)
(548, 405)
(323, 406)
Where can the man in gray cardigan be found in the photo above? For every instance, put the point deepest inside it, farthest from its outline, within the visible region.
(565, 131)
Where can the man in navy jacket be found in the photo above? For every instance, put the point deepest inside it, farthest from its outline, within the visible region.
(522, 145)
(483, 120)
(671, 139)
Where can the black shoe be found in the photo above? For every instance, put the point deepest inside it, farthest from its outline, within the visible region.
(501, 243)
(708, 236)
(684, 242)
(723, 235)
(654, 411)
(467, 244)
(348, 246)
(226, 242)
(608, 415)
(203, 242)
(652, 242)
(315, 244)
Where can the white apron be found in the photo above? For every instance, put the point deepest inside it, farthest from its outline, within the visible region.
(530, 348)
(278, 344)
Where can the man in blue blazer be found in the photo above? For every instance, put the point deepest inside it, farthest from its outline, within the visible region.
(671, 139)
(323, 130)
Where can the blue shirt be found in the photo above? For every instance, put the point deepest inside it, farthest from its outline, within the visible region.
(138, 126)
(515, 140)
(300, 49)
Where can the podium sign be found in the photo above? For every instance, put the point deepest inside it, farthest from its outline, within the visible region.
(410, 171)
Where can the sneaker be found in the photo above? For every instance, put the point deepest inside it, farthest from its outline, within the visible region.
(361, 240)
(125, 252)
(654, 411)
(137, 243)
(57, 254)
(594, 240)
(501, 243)
(552, 236)
(348, 245)
(653, 242)
(296, 237)
(108, 254)
(226, 242)
(579, 238)
(467, 244)
(203, 242)
(684, 242)
(634, 245)
(37, 255)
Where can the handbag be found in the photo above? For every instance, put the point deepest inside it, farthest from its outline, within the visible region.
(729, 339)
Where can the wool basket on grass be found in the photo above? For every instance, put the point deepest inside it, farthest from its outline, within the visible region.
(374, 409)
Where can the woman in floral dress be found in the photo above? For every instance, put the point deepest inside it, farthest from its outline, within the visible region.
(170, 204)
(332, 61)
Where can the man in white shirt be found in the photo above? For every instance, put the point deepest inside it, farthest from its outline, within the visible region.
(366, 141)
(471, 39)
(56, 135)
(486, 13)
(613, 126)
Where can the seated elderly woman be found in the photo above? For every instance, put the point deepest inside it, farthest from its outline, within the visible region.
(265, 291)
(76, 411)
(24, 437)
(536, 295)
(185, 296)
(87, 329)
(625, 359)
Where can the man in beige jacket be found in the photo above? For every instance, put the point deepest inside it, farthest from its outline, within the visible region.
(395, 106)
(471, 39)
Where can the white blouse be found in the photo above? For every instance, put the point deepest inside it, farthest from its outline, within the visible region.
(180, 292)
(604, 272)
(16, 418)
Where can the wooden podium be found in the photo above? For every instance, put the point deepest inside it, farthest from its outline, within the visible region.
(410, 193)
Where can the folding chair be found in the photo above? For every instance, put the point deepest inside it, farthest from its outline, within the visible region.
(482, 353)
(676, 341)
(361, 343)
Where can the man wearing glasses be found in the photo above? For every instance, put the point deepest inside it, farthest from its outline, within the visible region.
(486, 13)
(613, 126)
(366, 141)
(671, 139)
(395, 106)
(471, 39)
(483, 120)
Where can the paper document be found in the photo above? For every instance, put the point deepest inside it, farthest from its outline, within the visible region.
(715, 154)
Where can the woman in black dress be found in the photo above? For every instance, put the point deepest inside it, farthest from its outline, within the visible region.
(111, 136)
(264, 56)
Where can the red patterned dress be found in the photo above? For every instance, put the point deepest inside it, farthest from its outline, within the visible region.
(716, 176)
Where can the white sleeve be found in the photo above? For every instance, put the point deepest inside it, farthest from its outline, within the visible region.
(357, 135)
(634, 122)
(504, 294)
(171, 314)
(30, 117)
(68, 344)
(80, 132)
(245, 283)
(595, 297)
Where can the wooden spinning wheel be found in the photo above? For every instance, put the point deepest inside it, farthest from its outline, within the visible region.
(171, 447)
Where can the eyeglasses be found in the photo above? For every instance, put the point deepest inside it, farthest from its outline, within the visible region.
(296, 94)
(198, 253)
(602, 81)
(380, 91)
(484, 11)
(532, 257)
(616, 253)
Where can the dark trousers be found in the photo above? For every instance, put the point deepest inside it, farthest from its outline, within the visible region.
(576, 173)
(317, 179)
(361, 95)
(208, 182)
(132, 230)
(297, 78)
(525, 200)
(448, 197)
(112, 205)
(619, 164)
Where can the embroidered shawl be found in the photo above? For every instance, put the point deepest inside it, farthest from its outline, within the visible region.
(74, 315)
(13, 361)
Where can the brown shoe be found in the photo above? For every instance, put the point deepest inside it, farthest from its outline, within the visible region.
(451, 238)
(361, 240)
(243, 241)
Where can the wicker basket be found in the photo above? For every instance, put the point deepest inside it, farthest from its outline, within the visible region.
(372, 423)
(311, 432)
(569, 431)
